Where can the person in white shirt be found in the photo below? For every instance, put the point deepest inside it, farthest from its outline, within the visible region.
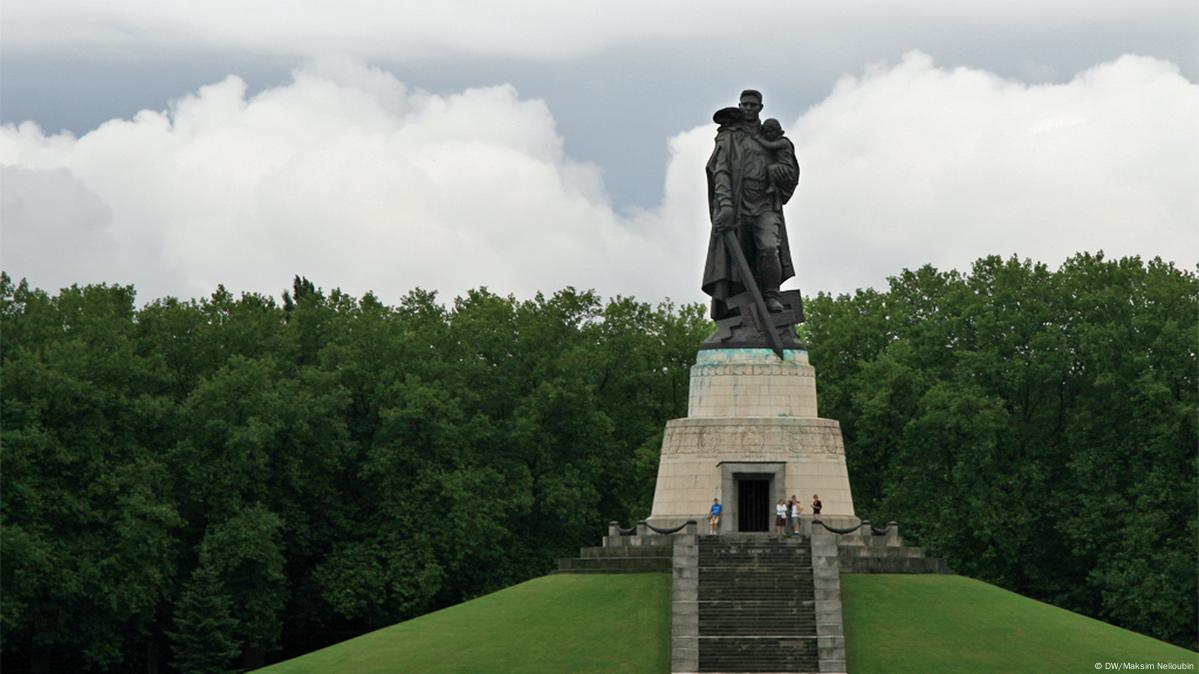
(780, 517)
(796, 511)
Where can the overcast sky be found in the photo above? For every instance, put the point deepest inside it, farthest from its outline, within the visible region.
(527, 146)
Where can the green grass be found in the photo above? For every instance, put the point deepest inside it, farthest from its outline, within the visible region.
(560, 623)
(621, 623)
(929, 623)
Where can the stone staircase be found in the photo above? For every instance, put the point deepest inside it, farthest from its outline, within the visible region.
(756, 604)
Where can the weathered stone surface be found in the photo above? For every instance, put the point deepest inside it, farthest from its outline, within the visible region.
(753, 436)
(684, 615)
(752, 605)
(864, 551)
(747, 406)
(756, 611)
(826, 579)
(751, 383)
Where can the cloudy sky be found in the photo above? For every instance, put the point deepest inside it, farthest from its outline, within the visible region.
(527, 146)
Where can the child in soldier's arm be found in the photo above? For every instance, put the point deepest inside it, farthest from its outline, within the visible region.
(771, 137)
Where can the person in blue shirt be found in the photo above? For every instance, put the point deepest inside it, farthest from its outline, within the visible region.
(714, 516)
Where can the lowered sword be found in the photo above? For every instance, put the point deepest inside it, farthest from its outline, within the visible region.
(765, 324)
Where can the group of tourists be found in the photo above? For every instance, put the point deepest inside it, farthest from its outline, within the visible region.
(792, 510)
(785, 510)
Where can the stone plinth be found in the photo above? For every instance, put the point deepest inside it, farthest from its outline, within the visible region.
(751, 383)
(751, 414)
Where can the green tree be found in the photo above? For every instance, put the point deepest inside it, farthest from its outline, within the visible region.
(244, 551)
(204, 641)
(1036, 426)
(341, 464)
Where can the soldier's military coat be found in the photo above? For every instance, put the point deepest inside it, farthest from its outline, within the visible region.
(738, 176)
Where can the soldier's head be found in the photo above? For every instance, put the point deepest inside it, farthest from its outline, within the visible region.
(751, 104)
(771, 129)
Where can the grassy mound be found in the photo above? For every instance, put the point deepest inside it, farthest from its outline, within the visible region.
(621, 623)
(925, 624)
(562, 623)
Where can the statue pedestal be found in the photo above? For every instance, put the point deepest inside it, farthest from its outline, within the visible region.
(751, 437)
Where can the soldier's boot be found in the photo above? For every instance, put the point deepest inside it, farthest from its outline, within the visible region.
(770, 276)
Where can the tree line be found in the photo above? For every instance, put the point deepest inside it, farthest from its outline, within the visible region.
(1036, 427)
(207, 485)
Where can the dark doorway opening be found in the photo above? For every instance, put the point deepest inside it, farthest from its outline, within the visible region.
(753, 504)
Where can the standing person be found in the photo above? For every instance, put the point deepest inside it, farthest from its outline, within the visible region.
(780, 517)
(816, 504)
(796, 511)
(714, 516)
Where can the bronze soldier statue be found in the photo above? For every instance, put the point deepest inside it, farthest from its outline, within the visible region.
(752, 173)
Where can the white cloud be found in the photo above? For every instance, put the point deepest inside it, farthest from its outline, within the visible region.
(382, 30)
(916, 163)
(343, 175)
(350, 178)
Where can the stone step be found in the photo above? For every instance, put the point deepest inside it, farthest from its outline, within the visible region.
(776, 547)
(756, 573)
(740, 561)
(754, 624)
(751, 617)
(752, 576)
(777, 584)
(808, 596)
(862, 551)
(638, 541)
(753, 609)
(775, 580)
(773, 653)
(745, 559)
(756, 594)
(781, 551)
(762, 537)
(765, 562)
(764, 604)
(752, 536)
(763, 569)
(894, 565)
(740, 625)
(616, 564)
(573, 571)
(763, 580)
(767, 664)
(764, 551)
(732, 592)
(628, 551)
(760, 596)
(778, 628)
